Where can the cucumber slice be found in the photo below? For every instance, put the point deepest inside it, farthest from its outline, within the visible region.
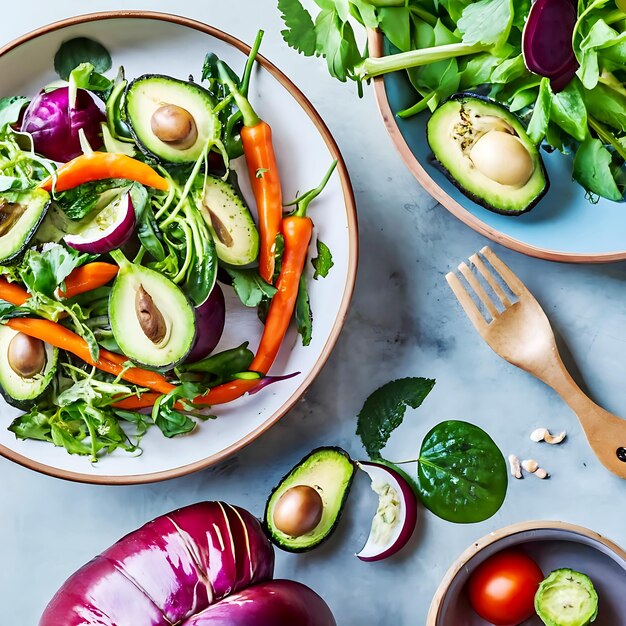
(566, 598)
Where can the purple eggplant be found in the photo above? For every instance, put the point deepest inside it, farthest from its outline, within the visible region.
(208, 564)
(210, 320)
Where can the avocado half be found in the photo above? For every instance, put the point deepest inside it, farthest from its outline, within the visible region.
(453, 131)
(19, 221)
(330, 471)
(140, 292)
(148, 93)
(20, 392)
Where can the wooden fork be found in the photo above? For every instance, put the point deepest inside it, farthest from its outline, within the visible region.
(521, 334)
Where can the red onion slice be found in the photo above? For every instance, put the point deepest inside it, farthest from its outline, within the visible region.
(396, 517)
(111, 228)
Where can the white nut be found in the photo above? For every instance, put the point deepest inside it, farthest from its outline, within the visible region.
(516, 468)
(539, 435)
(555, 439)
(530, 465)
(541, 473)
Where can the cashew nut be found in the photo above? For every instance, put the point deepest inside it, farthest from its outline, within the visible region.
(543, 434)
(541, 473)
(530, 465)
(516, 468)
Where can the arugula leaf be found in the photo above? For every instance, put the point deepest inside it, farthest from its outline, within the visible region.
(300, 32)
(10, 109)
(250, 287)
(592, 169)
(487, 22)
(462, 475)
(323, 262)
(538, 124)
(172, 422)
(384, 410)
(81, 50)
(304, 315)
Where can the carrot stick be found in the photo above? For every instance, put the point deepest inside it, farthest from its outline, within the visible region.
(87, 278)
(13, 293)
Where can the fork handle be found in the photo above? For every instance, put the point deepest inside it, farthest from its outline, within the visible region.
(605, 432)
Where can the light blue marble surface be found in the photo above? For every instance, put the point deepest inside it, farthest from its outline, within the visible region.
(403, 322)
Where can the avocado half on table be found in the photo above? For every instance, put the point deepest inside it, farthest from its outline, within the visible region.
(485, 151)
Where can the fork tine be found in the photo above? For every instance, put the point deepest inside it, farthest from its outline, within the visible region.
(514, 283)
(488, 276)
(465, 300)
(478, 288)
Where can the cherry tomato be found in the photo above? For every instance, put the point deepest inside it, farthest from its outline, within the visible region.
(502, 588)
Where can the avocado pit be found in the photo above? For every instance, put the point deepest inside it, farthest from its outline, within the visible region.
(10, 213)
(150, 318)
(26, 355)
(175, 126)
(298, 511)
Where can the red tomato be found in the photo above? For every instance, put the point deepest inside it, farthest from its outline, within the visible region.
(502, 588)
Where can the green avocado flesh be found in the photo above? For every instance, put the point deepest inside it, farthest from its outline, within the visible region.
(160, 351)
(19, 221)
(454, 132)
(566, 598)
(18, 391)
(230, 222)
(328, 470)
(147, 94)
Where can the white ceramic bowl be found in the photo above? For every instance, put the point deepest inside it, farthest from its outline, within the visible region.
(159, 43)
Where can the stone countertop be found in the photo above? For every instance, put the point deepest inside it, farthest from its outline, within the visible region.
(403, 322)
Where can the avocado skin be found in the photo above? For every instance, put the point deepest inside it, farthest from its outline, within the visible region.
(148, 153)
(265, 522)
(473, 197)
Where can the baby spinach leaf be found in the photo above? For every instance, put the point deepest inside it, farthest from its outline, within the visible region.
(250, 287)
(487, 22)
(462, 475)
(337, 44)
(300, 31)
(304, 316)
(323, 262)
(540, 119)
(395, 22)
(569, 112)
(221, 367)
(384, 410)
(607, 105)
(592, 169)
(81, 50)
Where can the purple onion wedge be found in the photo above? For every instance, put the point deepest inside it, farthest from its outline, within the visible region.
(547, 41)
(210, 320)
(111, 228)
(54, 125)
(396, 516)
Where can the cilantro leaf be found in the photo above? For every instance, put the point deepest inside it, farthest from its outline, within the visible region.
(250, 287)
(384, 410)
(300, 32)
(304, 316)
(487, 22)
(323, 262)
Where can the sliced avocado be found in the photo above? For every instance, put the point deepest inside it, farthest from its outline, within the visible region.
(484, 150)
(152, 321)
(229, 220)
(19, 220)
(566, 598)
(170, 119)
(305, 507)
(27, 367)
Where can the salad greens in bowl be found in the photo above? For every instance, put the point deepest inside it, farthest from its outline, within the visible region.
(156, 244)
(495, 106)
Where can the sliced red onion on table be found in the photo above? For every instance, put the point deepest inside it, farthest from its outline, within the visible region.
(547, 41)
(111, 228)
(396, 515)
(54, 125)
(210, 320)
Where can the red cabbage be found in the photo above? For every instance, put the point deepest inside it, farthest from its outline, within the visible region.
(54, 126)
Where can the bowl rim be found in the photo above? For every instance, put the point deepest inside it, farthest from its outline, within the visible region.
(375, 41)
(353, 248)
(510, 531)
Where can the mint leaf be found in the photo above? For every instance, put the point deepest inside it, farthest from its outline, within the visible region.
(487, 22)
(304, 316)
(323, 262)
(384, 410)
(300, 32)
(250, 287)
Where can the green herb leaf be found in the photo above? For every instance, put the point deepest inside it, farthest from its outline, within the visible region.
(487, 22)
(323, 261)
(569, 112)
(221, 367)
(250, 287)
(300, 32)
(540, 119)
(592, 169)
(79, 202)
(384, 410)
(169, 420)
(81, 50)
(462, 475)
(10, 109)
(85, 77)
(337, 44)
(304, 315)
